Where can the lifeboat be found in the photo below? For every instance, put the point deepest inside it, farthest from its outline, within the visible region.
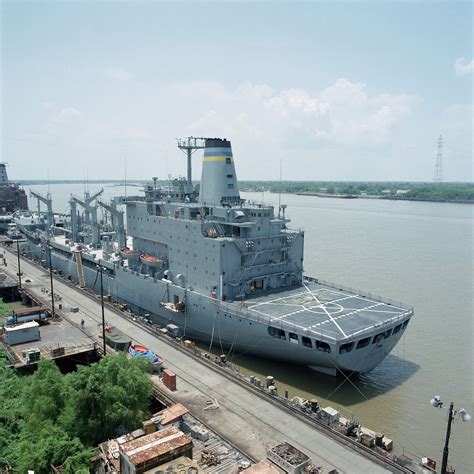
(127, 252)
(151, 261)
(137, 350)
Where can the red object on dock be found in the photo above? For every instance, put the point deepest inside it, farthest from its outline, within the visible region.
(169, 379)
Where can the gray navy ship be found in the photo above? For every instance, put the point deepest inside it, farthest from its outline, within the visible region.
(226, 271)
(12, 199)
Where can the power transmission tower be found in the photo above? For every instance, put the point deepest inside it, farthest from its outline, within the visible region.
(438, 170)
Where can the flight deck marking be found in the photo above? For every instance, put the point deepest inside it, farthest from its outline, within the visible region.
(330, 317)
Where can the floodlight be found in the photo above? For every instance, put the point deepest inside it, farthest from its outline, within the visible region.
(465, 416)
(436, 402)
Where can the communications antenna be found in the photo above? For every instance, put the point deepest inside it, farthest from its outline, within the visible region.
(189, 145)
(438, 170)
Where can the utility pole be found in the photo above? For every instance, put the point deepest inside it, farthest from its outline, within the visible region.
(102, 304)
(51, 279)
(444, 464)
(436, 402)
(438, 171)
(19, 269)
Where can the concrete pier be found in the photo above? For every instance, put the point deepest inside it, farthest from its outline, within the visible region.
(251, 423)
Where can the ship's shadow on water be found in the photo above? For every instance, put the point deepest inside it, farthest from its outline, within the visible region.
(344, 389)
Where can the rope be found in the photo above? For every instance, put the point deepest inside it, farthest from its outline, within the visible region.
(212, 335)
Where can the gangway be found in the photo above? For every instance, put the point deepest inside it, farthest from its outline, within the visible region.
(80, 269)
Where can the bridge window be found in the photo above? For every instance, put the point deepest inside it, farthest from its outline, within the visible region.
(323, 346)
(306, 341)
(275, 332)
(230, 176)
(397, 329)
(293, 338)
(230, 186)
(347, 347)
(363, 343)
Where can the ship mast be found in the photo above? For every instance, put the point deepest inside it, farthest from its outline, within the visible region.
(189, 145)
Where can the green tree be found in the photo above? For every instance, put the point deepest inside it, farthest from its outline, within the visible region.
(42, 395)
(49, 445)
(106, 396)
(48, 418)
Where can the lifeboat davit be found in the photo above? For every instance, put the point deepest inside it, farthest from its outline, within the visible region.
(151, 261)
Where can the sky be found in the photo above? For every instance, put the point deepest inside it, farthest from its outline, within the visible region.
(356, 91)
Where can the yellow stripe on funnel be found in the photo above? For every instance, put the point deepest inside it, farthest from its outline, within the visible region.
(216, 158)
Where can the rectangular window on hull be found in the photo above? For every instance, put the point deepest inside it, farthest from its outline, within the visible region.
(276, 332)
(363, 343)
(293, 338)
(405, 324)
(323, 346)
(397, 329)
(347, 347)
(306, 341)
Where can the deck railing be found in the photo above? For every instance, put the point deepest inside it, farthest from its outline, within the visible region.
(364, 294)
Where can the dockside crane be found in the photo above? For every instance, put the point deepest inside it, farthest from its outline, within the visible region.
(49, 213)
(118, 223)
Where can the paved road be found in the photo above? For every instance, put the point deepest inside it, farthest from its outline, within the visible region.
(250, 422)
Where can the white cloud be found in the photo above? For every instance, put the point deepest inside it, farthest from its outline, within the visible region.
(463, 67)
(264, 123)
(118, 74)
(343, 113)
(66, 115)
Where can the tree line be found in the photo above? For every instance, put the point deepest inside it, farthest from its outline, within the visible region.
(411, 190)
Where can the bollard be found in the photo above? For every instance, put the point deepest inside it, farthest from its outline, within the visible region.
(270, 381)
(258, 383)
(286, 394)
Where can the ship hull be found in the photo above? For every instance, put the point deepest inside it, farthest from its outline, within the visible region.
(206, 319)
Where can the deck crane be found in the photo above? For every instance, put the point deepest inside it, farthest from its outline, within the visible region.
(49, 204)
(119, 223)
(90, 210)
(74, 229)
(88, 199)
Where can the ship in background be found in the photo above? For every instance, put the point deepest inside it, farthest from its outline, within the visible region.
(226, 271)
(12, 198)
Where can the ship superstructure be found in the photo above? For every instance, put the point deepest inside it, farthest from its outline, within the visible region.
(12, 198)
(229, 272)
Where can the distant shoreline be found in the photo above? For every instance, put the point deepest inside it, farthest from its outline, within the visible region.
(453, 193)
(386, 198)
